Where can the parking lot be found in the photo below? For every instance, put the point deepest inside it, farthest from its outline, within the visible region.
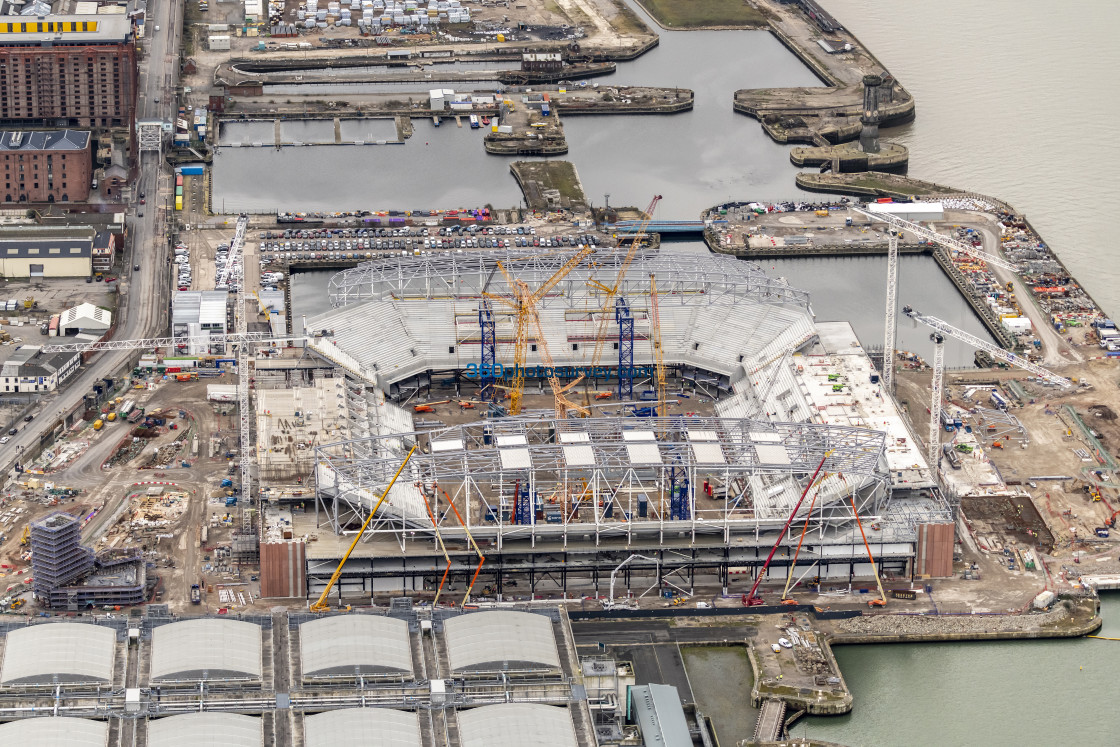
(282, 247)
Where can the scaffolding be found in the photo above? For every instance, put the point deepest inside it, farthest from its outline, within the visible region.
(523, 478)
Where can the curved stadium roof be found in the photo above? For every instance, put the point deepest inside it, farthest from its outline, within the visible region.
(210, 728)
(516, 725)
(206, 648)
(58, 652)
(500, 639)
(362, 727)
(56, 731)
(349, 645)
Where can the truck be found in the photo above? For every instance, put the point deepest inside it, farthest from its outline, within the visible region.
(196, 594)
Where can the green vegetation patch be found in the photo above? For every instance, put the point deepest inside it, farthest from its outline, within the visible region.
(700, 13)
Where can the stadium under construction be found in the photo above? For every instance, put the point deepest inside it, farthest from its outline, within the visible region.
(693, 406)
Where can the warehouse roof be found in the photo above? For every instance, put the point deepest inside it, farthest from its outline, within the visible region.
(520, 724)
(207, 308)
(58, 652)
(189, 730)
(54, 140)
(57, 731)
(46, 242)
(500, 639)
(354, 644)
(65, 30)
(85, 316)
(362, 727)
(206, 648)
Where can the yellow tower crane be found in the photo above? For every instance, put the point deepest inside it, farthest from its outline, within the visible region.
(523, 302)
(609, 293)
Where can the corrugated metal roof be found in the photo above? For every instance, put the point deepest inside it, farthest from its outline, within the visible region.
(57, 731)
(207, 648)
(193, 729)
(500, 639)
(660, 716)
(85, 316)
(516, 725)
(362, 727)
(354, 644)
(58, 652)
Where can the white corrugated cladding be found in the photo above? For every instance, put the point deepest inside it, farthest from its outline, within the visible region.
(362, 727)
(516, 725)
(354, 644)
(56, 731)
(206, 649)
(500, 639)
(58, 652)
(194, 729)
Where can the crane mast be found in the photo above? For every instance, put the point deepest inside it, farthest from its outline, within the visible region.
(241, 323)
(890, 321)
(658, 352)
(523, 303)
(608, 302)
(943, 329)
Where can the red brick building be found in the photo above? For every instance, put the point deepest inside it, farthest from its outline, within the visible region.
(68, 71)
(45, 166)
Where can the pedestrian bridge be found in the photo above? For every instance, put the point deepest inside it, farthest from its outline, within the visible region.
(686, 227)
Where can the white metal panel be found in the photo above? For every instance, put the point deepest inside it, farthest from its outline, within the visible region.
(353, 644)
(772, 454)
(580, 455)
(643, 453)
(515, 458)
(454, 444)
(514, 440)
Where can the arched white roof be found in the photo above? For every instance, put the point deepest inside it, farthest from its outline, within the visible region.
(56, 731)
(58, 652)
(362, 727)
(516, 725)
(205, 729)
(354, 644)
(207, 648)
(500, 639)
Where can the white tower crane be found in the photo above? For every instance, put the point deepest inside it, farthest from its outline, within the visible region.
(943, 329)
(898, 225)
(234, 271)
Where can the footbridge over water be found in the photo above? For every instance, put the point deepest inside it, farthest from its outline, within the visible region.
(675, 227)
(771, 716)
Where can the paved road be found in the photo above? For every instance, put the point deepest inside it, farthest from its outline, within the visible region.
(145, 294)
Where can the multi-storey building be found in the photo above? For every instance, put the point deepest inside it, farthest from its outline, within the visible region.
(68, 71)
(45, 166)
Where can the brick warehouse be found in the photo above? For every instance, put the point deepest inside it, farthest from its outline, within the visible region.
(68, 71)
(45, 166)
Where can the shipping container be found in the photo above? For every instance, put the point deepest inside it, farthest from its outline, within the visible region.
(179, 203)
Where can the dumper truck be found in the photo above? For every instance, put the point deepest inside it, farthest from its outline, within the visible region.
(196, 594)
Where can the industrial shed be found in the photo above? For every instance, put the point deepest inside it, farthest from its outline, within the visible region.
(501, 639)
(521, 724)
(85, 317)
(352, 645)
(362, 727)
(206, 649)
(193, 729)
(57, 731)
(63, 653)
